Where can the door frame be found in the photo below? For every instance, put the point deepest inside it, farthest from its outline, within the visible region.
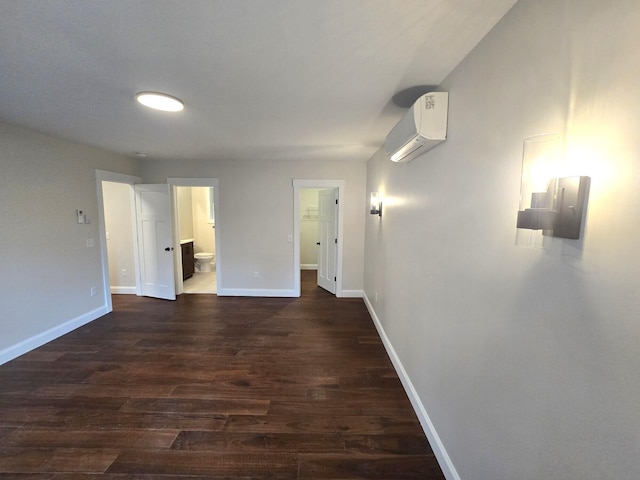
(195, 182)
(299, 184)
(105, 176)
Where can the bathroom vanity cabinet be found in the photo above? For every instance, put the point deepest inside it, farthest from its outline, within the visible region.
(187, 259)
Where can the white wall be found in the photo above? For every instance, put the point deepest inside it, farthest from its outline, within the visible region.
(119, 228)
(526, 361)
(46, 268)
(203, 232)
(255, 216)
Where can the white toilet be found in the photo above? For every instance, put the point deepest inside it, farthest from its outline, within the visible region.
(204, 261)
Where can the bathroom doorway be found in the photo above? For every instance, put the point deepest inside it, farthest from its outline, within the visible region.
(197, 261)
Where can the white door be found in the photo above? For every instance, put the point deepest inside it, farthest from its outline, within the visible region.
(328, 241)
(155, 241)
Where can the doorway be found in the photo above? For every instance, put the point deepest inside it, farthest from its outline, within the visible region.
(197, 228)
(195, 212)
(117, 236)
(318, 235)
(119, 233)
(307, 199)
(309, 228)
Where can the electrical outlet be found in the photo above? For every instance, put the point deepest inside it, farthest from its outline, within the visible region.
(289, 238)
(123, 272)
(90, 242)
(256, 274)
(93, 291)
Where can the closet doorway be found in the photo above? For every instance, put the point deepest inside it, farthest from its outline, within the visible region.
(308, 209)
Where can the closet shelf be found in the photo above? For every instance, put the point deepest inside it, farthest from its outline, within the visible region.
(311, 214)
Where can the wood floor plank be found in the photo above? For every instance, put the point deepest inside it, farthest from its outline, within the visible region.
(168, 375)
(396, 444)
(209, 407)
(30, 476)
(260, 442)
(249, 387)
(150, 421)
(213, 387)
(94, 439)
(48, 460)
(344, 467)
(336, 443)
(122, 476)
(321, 407)
(321, 424)
(64, 390)
(232, 465)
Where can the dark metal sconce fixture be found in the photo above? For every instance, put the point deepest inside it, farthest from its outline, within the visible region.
(549, 206)
(558, 211)
(376, 204)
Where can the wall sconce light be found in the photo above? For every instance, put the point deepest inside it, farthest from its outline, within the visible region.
(376, 204)
(549, 206)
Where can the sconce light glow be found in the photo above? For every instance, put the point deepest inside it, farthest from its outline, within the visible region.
(550, 205)
(376, 204)
(160, 101)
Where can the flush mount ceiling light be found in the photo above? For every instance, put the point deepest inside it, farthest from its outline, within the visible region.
(160, 101)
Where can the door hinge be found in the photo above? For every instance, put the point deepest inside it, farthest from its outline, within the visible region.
(335, 279)
(336, 201)
(336, 241)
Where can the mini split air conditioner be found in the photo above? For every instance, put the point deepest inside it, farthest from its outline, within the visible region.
(423, 127)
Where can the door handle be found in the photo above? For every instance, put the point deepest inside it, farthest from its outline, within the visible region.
(168, 249)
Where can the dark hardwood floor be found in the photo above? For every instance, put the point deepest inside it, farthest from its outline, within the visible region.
(213, 387)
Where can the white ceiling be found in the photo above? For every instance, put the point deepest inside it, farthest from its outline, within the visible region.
(260, 79)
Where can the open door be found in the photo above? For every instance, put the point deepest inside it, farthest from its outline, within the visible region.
(328, 241)
(155, 241)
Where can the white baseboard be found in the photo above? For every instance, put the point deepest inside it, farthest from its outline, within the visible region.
(440, 452)
(350, 294)
(123, 290)
(40, 339)
(260, 292)
(309, 266)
